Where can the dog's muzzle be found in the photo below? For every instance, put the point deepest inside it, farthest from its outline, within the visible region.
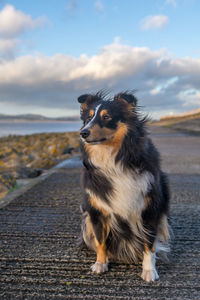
(84, 133)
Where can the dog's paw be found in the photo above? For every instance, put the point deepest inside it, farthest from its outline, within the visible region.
(149, 275)
(99, 267)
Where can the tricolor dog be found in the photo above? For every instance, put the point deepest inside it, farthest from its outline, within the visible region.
(126, 196)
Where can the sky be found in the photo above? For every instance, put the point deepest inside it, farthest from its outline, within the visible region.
(51, 52)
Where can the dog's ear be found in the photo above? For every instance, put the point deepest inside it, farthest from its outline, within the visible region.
(126, 97)
(83, 98)
(86, 101)
(89, 99)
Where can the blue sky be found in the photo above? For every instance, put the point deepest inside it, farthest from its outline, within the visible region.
(52, 51)
(77, 27)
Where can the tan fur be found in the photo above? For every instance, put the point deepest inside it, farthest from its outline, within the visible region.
(101, 253)
(91, 113)
(146, 248)
(92, 242)
(103, 112)
(95, 204)
(101, 250)
(163, 230)
(84, 106)
(96, 132)
(130, 106)
(113, 144)
(147, 200)
(88, 233)
(119, 135)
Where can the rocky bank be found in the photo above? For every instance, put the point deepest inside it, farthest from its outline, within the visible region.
(28, 156)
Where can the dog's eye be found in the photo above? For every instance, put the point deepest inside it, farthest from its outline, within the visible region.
(106, 117)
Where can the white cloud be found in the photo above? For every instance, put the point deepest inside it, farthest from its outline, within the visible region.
(172, 2)
(99, 6)
(190, 97)
(14, 22)
(7, 44)
(163, 83)
(114, 60)
(154, 22)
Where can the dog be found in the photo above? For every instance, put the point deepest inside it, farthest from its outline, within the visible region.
(125, 194)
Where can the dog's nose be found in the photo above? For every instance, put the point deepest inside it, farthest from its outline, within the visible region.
(85, 133)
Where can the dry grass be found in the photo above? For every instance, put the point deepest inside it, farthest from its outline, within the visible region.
(190, 123)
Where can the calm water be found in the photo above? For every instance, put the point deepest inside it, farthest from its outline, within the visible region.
(23, 128)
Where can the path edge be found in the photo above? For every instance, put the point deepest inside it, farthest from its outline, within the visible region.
(72, 162)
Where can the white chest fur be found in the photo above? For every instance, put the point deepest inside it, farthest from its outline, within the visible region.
(129, 187)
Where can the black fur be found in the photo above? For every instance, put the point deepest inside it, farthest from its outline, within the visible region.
(138, 154)
(95, 181)
(96, 217)
(125, 228)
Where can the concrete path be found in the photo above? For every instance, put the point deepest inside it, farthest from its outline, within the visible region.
(38, 232)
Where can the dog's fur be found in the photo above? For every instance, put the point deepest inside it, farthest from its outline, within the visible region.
(126, 195)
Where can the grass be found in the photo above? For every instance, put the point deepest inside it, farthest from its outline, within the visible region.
(175, 120)
(14, 188)
(189, 124)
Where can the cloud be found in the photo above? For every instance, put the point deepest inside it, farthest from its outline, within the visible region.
(192, 96)
(172, 2)
(7, 45)
(8, 48)
(109, 64)
(154, 22)
(99, 6)
(14, 22)
(163, 83)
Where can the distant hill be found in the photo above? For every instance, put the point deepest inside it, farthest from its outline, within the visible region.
(172, 119)
(35, 117)
(188, 121)
(188, 114)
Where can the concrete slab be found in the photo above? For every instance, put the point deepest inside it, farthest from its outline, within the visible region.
(39, 258)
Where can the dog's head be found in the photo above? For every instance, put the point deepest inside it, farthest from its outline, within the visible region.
(106, 121)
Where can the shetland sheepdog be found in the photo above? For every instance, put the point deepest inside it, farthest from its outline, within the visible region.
(126, 195)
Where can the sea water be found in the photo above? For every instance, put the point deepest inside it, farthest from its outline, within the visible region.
(23, 128)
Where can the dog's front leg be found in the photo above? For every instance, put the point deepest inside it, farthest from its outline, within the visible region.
(100, 228)
(101, 264)
(149, 272)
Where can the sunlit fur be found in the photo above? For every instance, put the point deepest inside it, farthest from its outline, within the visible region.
(125, 205)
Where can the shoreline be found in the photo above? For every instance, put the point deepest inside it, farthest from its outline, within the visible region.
(23, 127)
(38, 121)
(24, 157)
(70, 163)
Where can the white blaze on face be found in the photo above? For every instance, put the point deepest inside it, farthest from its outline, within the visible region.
(92, 120)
